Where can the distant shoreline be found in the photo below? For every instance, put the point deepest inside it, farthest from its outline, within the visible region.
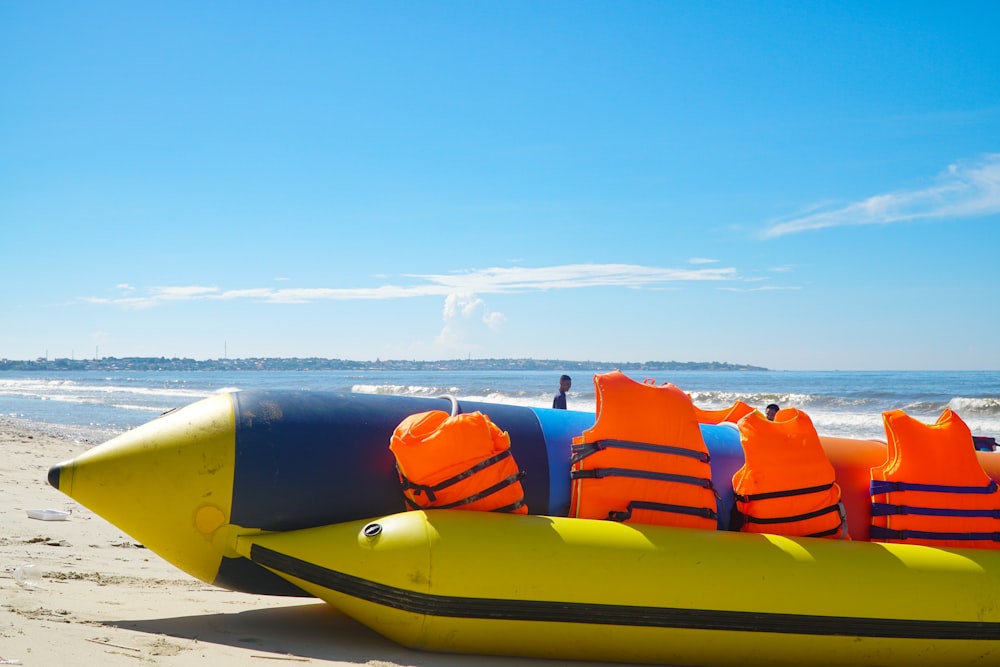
(322, 364)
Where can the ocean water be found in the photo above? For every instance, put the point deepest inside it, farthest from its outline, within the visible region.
(93, 406)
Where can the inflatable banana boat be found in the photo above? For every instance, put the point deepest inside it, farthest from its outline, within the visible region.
(297, 493)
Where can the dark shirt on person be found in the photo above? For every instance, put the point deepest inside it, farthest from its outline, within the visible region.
(559, 402)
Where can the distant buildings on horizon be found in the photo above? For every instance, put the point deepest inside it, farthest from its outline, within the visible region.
(322, 364)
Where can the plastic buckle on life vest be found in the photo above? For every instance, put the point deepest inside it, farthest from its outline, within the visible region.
(426, 490)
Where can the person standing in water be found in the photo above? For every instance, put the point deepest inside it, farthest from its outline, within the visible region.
(772, 410)
(559, 402)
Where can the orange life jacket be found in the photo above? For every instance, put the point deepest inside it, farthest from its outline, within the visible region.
(932, 489)
(786, 486)
(460, 462)
(644, 460)
(732, 414)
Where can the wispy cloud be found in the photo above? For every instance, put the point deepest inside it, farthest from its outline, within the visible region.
(522, 279)
(965, 189)
(497, 280)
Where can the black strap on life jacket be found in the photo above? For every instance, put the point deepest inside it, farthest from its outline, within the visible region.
(601, 473)
(828, 533)
(880, 487)
(703, 512)
(584, 450)
(881, 533)
(482, 465)
(749, 518)
(887, 509)
(504, 483)
(784, 493)
(738, 518)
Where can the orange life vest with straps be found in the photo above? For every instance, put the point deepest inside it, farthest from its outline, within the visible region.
(786, 486)
(456, 462)
(932, 489)
(732, 414)
(644, 460)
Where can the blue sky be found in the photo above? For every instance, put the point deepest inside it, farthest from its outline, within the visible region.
(795, 185)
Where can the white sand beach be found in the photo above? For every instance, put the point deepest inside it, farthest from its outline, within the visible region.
(105, 600)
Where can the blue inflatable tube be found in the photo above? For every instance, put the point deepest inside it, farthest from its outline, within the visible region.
(326, 460)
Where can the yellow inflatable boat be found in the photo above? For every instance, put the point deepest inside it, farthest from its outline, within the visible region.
(583, 589)
(296, 493)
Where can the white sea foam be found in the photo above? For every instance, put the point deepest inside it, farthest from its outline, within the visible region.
(845, 404)
(976, 406)
(141, 408)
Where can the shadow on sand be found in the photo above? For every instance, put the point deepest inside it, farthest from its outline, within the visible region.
(312, 631)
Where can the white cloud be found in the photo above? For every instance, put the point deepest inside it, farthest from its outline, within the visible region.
(466, 316)
(496, 280)
(964, 190)
(494, 320)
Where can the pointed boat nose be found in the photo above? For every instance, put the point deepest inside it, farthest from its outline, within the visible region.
(167, 483)
(54, 475)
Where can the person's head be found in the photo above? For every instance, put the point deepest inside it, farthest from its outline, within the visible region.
(565, 383)
(772, 410)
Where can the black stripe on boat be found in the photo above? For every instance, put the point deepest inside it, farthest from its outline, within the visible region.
(610, 614)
